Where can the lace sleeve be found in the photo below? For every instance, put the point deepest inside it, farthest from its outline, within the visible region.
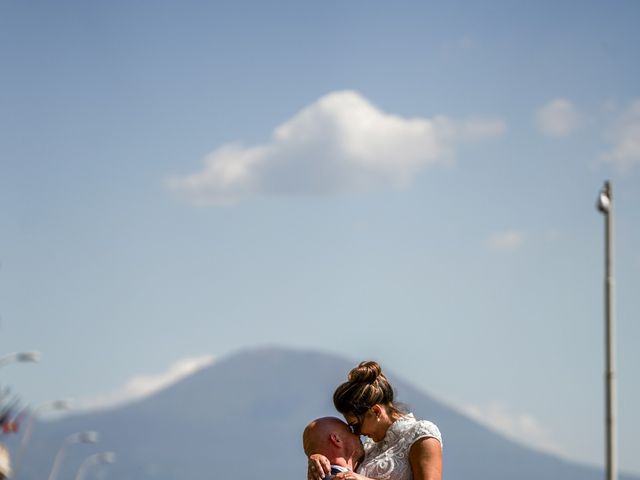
(425, 429)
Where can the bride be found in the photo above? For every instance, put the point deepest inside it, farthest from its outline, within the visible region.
(397, 447)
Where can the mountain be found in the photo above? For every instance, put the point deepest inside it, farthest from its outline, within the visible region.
(242, 418)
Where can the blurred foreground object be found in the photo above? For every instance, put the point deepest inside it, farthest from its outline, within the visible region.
(5, 463)
(11, 413)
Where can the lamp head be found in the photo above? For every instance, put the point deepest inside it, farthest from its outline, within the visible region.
(107, 457)
(603, 203)
(65, 404)
(28, 356)
(89, 437)
(604, 199)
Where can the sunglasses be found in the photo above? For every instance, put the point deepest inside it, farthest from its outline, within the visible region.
(356, 426)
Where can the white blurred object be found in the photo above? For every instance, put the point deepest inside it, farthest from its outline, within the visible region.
(5, 462)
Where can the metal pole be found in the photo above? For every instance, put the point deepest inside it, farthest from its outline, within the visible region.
(26, 436)
(104, 457)
(84, 466)
(85, 437)
(605, 205)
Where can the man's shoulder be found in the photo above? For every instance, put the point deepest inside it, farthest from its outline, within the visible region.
(335, 469)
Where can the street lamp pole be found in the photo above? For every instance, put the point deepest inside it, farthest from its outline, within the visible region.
(605, 206)
(104, 457)
(26, 436)
(84, 437)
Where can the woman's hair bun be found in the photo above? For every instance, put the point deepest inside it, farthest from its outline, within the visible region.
(366, 386)
(365, 372)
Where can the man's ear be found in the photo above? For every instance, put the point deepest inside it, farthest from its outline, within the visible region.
(335, 439)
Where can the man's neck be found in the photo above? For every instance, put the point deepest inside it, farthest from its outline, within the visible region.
(343, 462)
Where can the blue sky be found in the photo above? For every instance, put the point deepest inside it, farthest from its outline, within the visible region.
(413, 183)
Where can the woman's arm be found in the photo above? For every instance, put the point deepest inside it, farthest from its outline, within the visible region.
(425, 457)
(318, 467)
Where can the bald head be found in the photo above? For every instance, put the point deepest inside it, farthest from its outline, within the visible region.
(317, 435)
(333, 438)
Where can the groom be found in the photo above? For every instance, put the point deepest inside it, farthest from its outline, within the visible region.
(332, 438)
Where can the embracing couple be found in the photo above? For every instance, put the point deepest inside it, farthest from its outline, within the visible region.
(397, 446)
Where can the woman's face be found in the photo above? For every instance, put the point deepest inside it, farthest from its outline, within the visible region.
(367, 424)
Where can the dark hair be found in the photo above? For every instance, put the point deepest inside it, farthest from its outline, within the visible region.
(365, 387)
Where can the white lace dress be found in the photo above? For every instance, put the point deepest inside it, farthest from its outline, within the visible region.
(388, 459)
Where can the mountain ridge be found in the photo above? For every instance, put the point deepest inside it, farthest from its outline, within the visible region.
(243, 416)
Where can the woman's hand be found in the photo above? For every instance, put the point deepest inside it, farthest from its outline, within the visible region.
(318, 467)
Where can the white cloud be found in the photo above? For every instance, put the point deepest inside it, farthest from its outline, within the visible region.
(522, 427)
(141, 386)
(559, 118)
(624, 135)
(340, 143)
(507, 240)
